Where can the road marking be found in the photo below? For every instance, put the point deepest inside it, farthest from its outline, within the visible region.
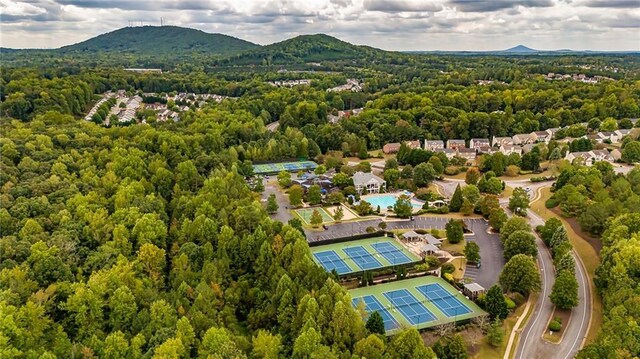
(584, 310)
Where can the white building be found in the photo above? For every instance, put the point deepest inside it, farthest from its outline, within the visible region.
(366, 182)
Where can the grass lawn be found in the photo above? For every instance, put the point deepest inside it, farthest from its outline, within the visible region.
(460, 264)
(586, 252)
(454, 249)
(508, 191)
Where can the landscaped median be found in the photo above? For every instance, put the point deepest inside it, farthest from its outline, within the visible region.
(588, 256)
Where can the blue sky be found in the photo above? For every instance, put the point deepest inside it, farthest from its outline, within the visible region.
(390, 25)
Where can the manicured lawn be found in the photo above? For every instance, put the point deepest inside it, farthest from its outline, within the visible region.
(453, 248)
(460, 264)
(586, 252)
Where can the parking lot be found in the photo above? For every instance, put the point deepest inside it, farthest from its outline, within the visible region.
(489, 243)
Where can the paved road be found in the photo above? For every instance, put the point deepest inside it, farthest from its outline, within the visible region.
(531, 344)
(489, 243)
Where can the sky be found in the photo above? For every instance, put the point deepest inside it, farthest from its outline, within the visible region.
(391, 25)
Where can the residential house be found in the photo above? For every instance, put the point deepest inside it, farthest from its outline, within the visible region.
(476, 143)
(391, 147)
(528, 147)
(448, 152)
(501, 141)
(467, 153)
(591, 157)
(433, 145)
(455, 144)
(488, 150)
(601, 155)
(542, 136)
(524, 138)
(552, 131)
(509, 149)
(621, 133)
(413, 144)
(604, 136)
(366, 182)
(616, 154)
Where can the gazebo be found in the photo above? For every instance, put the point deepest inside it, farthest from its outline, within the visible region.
(473, 290)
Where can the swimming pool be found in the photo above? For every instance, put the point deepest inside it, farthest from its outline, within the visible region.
(387, 200)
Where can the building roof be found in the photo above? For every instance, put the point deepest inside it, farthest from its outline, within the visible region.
(455, 141)
(411, 234)
(427, 247)
(362, 178)
(431, 239)
(474, 287)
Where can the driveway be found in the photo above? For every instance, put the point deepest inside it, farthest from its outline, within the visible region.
(489, 243)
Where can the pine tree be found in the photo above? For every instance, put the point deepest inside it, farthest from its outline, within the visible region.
(375, 323)
(495, 304)
(456, 200)
(495, 336)
(272, 204)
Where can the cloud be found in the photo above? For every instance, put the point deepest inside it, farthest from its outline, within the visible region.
(495, 5)
(401, 6)
(18, 8)
(615, 4)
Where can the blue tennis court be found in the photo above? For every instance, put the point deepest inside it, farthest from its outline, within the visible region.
(362, 257)
(330, 261)
(391, 253)
(373, 305)
(444, 300)
(409, 306)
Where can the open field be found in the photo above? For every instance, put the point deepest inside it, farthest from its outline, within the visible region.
(422, 302)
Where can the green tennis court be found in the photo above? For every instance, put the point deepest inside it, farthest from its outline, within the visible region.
(306, 213)
(422, 302)
(273, 168)
(362, 255)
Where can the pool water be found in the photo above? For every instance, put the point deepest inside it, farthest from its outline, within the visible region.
(387, 200)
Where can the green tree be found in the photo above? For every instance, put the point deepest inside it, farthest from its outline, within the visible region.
(437, 164)
(423, 174)
(314, 194)
(495, 335)
(631, 152)
(403, 207)
(609, 125)
(371, 347)
(272, 204)
(471, 194)
(497, 219)
(295, 195)
(316, 218)
(284, 179)
(519, 201)
(456, 200)
(409, 344)
(520, 242)
(513, 224)
(363, 208)
(455, 231)
(495, 303)
(338, 214)
(548, 229)
(564, 294)
(266, 345)
(472, 252)
(520, 275)
(375, 323)
(472, 176)
(217, 342)
(451, 348)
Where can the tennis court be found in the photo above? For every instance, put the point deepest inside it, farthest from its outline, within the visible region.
(444, 300)
(409, 306)
(391, 253)
(362, 258)
(306, 213)
(373, 305)
(330, 260)
(366, 254)
(273, 168)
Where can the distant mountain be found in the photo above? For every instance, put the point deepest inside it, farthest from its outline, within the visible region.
(156, 40)
(305, 48)
(520, 49)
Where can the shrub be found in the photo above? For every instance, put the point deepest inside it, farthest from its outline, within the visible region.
(555, 326)
(448, 268)
(451, 170)
(551, 203)
(510, 303)
(517, 298)
(370, 229)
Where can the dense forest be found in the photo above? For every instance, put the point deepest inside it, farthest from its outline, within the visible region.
(145, 241)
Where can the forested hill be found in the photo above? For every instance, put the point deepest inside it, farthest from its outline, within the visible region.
(159, 40)
(305, 48)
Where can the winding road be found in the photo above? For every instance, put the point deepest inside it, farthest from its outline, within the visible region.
(531, 344)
